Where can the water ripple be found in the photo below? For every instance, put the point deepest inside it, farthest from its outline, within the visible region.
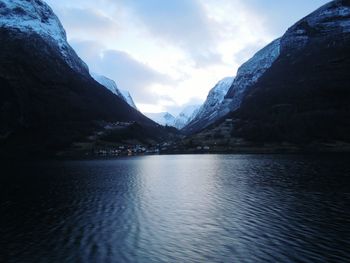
(248, 208)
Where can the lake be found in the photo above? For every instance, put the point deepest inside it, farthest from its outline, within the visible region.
(186, 208)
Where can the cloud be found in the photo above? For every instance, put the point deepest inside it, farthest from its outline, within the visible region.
(176, 110)
(182, 23)
(205, 33)
(89, 51)
(170, 53)
(280, 15)
(129, 73)
(247, 52)
(87, 23)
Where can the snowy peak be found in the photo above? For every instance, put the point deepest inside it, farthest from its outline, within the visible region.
(128, 98)
(112, 86)
(36, 17)
(214, 99)
(217, 94)
(186, 116)
(304, 96)
(213, 108)
(32, 15)
(168, 116)
(162, 118)
(251, 71)
(228, 94)
(107, 83)
(189, 111)
(262, 60)
(326, 22)
(167, 119)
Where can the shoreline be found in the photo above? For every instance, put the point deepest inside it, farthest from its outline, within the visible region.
(71, 155)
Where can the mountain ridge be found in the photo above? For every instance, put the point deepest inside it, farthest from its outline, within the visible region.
(48, 98)
(302, 98)
(113, 87)
(213, 108)
(35, 16)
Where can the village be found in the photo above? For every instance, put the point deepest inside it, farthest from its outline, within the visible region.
(134, 150)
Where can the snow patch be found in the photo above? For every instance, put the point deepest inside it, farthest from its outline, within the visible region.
(215, 105)
(162, 118)
(35, 16)
(112, 86)
(327, 21)
(186, 116)
(128, 98)
(251, 71)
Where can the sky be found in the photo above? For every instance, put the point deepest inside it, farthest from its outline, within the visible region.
(169, 53)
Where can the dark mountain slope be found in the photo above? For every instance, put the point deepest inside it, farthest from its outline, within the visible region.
(43, 98)
(304, 96)
(47, 97)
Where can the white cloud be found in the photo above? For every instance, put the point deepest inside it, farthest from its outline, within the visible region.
(170, 53)
(128, 73)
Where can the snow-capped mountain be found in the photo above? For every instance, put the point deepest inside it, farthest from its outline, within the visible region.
(215, 97)
(297, 88)
(108, 83)
(112, 86)
(213, 108)
(250, 72)
(295, 38)
(167, 119)
(162, 118)
(227, 95)
(186, 116)
(128, 98)
(48, 98)
(35, 16)
(332, 19)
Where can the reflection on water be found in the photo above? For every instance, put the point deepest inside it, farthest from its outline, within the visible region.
(195, 208)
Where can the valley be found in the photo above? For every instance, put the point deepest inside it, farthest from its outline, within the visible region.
(291, 96)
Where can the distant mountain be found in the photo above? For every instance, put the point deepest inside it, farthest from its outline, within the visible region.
(167, 119)
(47, 97)
(227, 95)
(162, 118)
(213, 108)
(112, 86)
(299, 91)
(186, 116)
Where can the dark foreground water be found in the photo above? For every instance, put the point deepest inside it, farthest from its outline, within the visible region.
(203, 208)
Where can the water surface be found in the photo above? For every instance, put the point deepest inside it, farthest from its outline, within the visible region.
(191, 208)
